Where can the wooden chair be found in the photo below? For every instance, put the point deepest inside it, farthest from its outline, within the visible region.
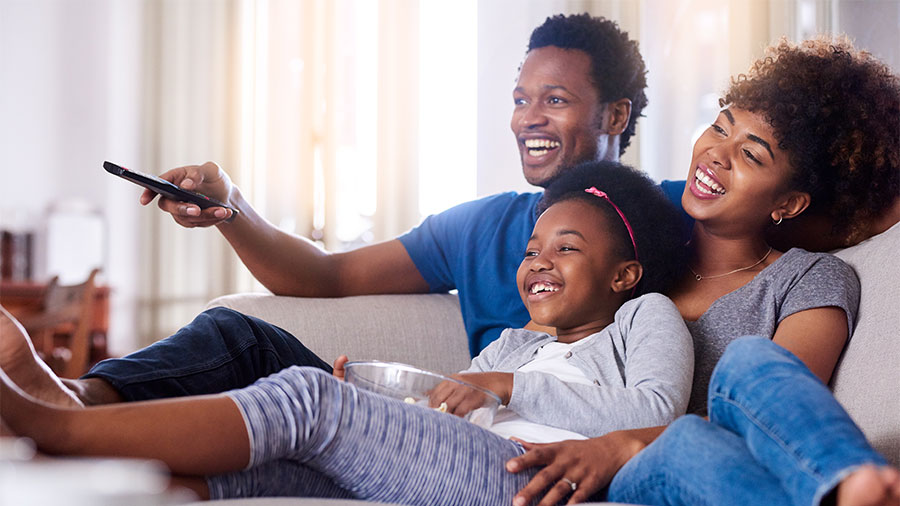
(61, 329)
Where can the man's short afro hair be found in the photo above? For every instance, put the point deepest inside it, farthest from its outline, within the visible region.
(617, 68)
(660, 232)
(836, 111)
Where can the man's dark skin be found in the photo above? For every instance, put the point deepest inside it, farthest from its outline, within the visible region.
(558, 121)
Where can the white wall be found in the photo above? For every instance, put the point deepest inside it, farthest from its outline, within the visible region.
(69, 92)
(504, 27)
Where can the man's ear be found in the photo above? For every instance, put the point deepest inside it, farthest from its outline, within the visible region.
(618, 113)
(627, 276)
(791, 205)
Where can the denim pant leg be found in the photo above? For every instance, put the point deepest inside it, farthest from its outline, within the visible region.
(789, 420)
(695, 463)
(221, 349)
(374, 447)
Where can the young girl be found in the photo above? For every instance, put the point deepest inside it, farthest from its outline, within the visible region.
(606, 234)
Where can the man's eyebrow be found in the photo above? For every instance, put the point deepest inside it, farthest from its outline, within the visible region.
(728, 115)
(762, 143)
(519, 89)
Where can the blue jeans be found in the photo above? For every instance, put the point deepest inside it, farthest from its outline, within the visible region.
(776, 435)
(220, 350)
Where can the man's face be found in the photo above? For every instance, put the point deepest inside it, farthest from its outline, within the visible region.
(558, 118)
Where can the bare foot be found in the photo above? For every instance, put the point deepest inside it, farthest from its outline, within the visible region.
(870, 486)
(21, 363)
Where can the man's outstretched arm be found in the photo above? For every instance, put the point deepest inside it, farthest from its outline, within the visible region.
(285, 263)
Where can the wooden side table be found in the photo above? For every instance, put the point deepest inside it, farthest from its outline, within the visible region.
(25, 298)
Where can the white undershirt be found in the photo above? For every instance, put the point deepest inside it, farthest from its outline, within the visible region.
(551, 358)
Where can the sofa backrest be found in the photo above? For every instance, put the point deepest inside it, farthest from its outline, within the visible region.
(867, 379)
(423, 330)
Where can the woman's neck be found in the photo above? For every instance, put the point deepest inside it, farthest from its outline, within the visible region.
(712, 254)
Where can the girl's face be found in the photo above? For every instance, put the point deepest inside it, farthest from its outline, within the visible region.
(566, 278)
(738, 175)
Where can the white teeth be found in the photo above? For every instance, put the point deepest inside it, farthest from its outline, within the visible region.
(541, 143)
(540, 286)
(708, 181)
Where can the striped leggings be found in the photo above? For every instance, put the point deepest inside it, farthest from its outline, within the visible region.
(314, 436)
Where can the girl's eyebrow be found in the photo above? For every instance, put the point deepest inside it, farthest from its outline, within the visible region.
(570, 232)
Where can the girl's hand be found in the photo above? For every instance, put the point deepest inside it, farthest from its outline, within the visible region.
(590, 464)
(461, 399)
(338, 367)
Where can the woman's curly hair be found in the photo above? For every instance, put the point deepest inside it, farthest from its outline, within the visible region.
(836, 111)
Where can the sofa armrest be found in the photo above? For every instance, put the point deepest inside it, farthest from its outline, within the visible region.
(867, 378)
(425, 330)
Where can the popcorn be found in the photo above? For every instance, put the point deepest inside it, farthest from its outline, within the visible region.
(412, 400)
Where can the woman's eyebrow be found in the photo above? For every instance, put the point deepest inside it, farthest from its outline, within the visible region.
(728, 115)
(762, 143)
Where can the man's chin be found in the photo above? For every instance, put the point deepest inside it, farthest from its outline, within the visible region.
(540, 176)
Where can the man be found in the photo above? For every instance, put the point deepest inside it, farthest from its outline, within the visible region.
(579, 93)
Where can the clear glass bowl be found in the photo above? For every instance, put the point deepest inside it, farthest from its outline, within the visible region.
(411, 384)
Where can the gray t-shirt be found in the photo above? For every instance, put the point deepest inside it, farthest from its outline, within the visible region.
(796, 281)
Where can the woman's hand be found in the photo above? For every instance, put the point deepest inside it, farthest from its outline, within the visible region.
(590, 464)
(338, 370)
(461, 399)
(207, 179)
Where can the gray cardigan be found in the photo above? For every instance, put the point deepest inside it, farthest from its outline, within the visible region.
(641, 366)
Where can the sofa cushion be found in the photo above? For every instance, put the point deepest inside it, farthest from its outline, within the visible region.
(425, 330)
(867, 379)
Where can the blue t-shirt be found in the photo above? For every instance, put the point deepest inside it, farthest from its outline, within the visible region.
(476, 248)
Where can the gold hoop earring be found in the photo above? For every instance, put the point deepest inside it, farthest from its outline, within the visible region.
(780, 219)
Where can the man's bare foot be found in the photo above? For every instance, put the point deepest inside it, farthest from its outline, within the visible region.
(870, 486)
(21, 363)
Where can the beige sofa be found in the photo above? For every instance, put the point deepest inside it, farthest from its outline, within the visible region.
(427, 330)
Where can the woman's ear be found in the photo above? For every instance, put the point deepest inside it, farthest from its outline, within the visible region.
(792, 205)
(627, 276)
(619, 113)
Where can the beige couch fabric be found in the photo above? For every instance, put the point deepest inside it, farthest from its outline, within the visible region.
(867, 381)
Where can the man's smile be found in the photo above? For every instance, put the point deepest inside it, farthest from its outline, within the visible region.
(540, 147)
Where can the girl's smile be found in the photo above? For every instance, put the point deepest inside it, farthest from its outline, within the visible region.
(566, 278)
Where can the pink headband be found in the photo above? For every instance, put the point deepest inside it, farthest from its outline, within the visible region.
(593, 190)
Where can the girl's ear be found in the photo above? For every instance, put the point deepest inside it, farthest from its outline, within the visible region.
(792, 205)
(627, 276)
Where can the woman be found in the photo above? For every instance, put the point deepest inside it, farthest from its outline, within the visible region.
(810, 128)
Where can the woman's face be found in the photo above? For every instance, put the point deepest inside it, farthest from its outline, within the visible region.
(566, 277)
(738, 175)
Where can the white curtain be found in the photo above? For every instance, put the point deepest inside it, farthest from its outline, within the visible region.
(311, 108)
